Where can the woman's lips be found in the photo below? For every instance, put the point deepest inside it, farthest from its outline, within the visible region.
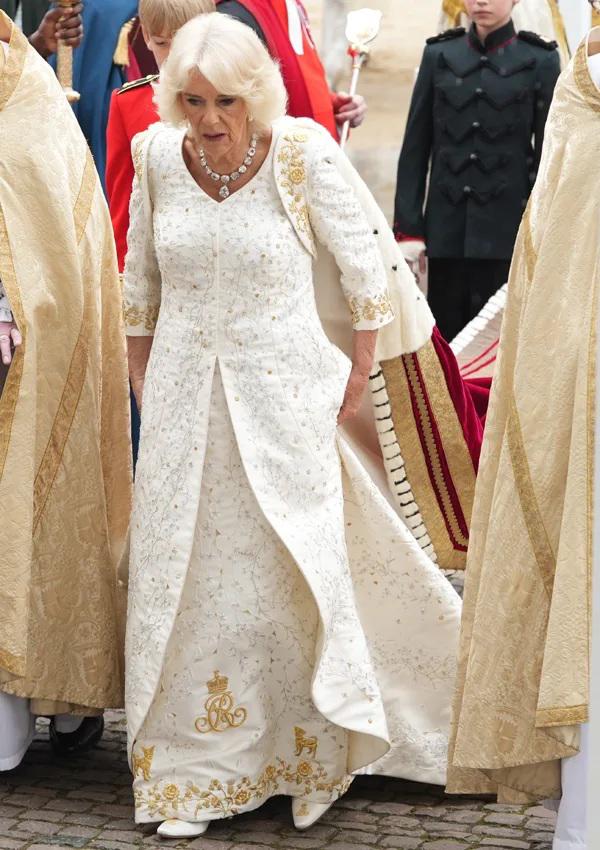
(213, 137)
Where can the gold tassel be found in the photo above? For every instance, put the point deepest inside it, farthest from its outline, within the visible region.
(121, 54)
(595, 18)
(454, 10)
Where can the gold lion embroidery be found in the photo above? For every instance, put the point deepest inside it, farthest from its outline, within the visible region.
(219, 714)
(143, 764)
(303, 743)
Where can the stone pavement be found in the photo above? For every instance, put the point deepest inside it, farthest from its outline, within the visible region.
(86, 803)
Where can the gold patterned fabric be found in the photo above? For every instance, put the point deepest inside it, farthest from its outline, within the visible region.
(64, 422)
(523, 661)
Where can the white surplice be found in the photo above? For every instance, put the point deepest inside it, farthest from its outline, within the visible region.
(284, 626)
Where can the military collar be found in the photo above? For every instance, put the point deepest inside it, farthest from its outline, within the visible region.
(496, 39)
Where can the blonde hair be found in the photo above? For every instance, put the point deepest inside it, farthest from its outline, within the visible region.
(160, 17)
(232, 58)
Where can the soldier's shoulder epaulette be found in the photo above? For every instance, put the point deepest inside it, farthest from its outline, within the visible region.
(136, 84)
(447, 35)
(537, 40)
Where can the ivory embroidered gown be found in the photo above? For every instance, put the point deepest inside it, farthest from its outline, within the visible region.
(284, 627)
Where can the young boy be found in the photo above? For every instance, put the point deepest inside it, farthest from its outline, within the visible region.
(477, 115)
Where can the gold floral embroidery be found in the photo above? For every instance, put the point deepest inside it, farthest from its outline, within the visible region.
(227, 798)
(304, 743)
(293, 175)
(143, 764)
(370, 309)
(219, 715)
(147, 317)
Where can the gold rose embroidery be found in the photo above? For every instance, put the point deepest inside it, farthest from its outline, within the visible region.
(135, 317)
(293, 174)
(228, 798)
(219, 715)
(370, 309)
(143, 764)
(304, 743)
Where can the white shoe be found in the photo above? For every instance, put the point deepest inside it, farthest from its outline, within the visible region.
(175, 828)
(305, 813)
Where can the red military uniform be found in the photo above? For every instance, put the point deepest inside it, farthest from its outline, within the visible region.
(131, 112)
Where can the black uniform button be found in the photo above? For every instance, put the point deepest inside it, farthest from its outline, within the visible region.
(473, 157)
(467, 190)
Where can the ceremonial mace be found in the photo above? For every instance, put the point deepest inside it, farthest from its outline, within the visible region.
(64, 60)
(362, 28)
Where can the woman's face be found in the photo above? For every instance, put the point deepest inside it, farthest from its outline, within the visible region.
(218, 122)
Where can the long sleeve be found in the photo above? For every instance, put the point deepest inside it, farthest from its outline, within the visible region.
(142, 283)
(548, 74)
(119, 177)
(340, 223)
(413, 164)
(5, 311)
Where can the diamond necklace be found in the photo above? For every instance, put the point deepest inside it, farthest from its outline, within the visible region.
(235, 175)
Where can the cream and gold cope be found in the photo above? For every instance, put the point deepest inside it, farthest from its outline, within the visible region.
(65, 471)
(523, 662)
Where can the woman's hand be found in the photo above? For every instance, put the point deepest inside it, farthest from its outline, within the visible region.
(138, 354)
(9, 338)
(363, 354)
(355, 389)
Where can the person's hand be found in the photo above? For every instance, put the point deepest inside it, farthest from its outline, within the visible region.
(9, 338)
(355, 388)
(349, 108)
(60, 23)
(414, 252)
(137, 387)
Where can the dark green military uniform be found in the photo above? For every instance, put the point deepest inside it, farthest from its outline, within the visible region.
(33, 12)
(476, 127)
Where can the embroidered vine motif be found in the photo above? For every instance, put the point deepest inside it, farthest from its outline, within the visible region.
(293, 175)
(143, 764)
(219, 715)
(304, 743)
(228, 798)
(147, 317)
(370, 309)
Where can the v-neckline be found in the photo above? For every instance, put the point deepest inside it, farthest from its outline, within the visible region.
(237, 191)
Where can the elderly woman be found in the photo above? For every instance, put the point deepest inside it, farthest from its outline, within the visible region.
(284, 626)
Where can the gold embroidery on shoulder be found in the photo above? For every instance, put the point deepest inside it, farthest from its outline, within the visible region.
(143, 764)
(219, 715)
(293, 174)
(137, 157)
(370, 309)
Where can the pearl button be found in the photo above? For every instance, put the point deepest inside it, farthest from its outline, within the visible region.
(476, 125)
(473, 157)
(467, 190)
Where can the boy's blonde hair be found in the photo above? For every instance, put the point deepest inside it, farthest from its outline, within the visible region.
(165, 17)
